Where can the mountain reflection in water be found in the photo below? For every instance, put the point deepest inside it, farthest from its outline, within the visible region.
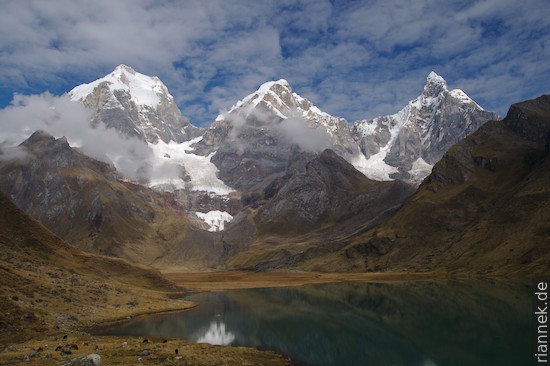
(216, 334)
(443, 323)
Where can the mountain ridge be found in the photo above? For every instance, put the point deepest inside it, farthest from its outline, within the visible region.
(390, 147)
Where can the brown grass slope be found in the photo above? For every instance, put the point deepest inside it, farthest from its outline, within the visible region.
(49, 289)
(484, 210)
(47, 285)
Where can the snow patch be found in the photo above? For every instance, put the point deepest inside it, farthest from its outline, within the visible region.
(367, 128)
(200, 169)
(464, 98)
(216, 219)
(420, 170)
(374, 167)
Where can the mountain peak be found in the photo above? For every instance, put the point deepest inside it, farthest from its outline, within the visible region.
(135, 104)
(435, 78)
(274, 84)
(144, 90)
(121, 68)
(407, 144)
(278, 97)
(435, 84)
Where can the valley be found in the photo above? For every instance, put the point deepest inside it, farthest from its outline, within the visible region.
(273, 184)
(274, 194)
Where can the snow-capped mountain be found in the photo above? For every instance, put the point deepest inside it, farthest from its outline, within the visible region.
(257, 139)
(278, 97)
(141, 106)
(407, 144)
(136, 105)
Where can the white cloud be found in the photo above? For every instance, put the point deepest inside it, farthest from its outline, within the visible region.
(348, 57)
(59, 116)
(297, 131)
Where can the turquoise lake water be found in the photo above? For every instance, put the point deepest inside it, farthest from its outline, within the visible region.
(447, 323)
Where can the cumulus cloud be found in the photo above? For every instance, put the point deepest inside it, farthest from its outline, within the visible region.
(296, 131)
(56, 115)
(59, 116)
(352, 59)
(9, 152)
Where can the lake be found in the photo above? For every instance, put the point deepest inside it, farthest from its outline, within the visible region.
(443, 323)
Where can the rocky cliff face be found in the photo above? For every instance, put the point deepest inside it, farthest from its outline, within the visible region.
(136, 105)
(49, 183)
(407, 144)
(483, 208)
(326, 189)
(321, 197)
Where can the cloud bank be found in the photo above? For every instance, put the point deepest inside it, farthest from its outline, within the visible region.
(297, 131)
(354, 59)
(59, 116)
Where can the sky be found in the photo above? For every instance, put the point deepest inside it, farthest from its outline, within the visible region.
(352, 59)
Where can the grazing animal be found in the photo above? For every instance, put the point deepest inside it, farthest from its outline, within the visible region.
(164, 341)
(176, 350)
(58, 348)
(65, 337)
(145, 341)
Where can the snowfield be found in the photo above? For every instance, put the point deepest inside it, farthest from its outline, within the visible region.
(216, 219)
(200, 169)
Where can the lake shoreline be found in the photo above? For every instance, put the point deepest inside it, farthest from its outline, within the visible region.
(195, 282)
(234, 280)
(391, 310)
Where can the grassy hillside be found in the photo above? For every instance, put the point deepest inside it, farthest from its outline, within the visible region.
(48, 286)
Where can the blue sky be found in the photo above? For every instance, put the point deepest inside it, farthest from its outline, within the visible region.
(353, 59)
